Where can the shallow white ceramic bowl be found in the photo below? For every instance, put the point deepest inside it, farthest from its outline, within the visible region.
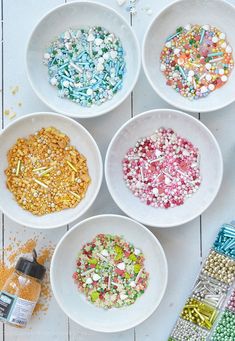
(75, 15)
(75, 305)
(215, 12)
(211, 166)
(79, 137)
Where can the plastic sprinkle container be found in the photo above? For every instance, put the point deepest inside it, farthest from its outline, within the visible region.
(209, 312)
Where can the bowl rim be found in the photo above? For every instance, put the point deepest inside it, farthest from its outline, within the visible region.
(165, 263)
(125, 95)
(80, 126)
(123, 206)
(156, 88)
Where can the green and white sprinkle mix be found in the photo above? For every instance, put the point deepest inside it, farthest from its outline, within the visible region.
(110, 272)
(86, 65)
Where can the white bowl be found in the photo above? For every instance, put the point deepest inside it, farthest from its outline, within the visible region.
(80, 138)
(75, 15)
(215, 12)
(211, 166)
(75, 305)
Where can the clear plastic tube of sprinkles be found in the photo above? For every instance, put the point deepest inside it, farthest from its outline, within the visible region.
(209, 312)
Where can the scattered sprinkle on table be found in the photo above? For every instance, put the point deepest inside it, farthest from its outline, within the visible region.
(162, 169)
(196, 60)
(45, 173)
(86, 65)
(110, 272)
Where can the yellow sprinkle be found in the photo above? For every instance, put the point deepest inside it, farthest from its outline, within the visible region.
(38, 169)
(46, 171)
(40, 183)
(18, 168)
(71, 166)
(6, 112)
(14, 89)
(199, 314)
(12, 115)
(75, 194)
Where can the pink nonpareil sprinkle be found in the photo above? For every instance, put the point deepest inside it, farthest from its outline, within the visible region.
(162, 169)
(231, 302)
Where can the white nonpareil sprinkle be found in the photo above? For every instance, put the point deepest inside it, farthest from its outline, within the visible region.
(121, 266)
(133, 284)
(104, 253)
(89, 280)
(121, 2)
(137, 252)
(96, 277)
(123, 296)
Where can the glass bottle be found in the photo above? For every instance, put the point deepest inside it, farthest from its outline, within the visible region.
(21, 292)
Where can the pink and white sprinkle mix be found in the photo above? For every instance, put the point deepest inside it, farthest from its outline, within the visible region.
(162, 169)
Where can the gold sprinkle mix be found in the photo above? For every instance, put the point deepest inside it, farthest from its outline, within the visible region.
(42, 156)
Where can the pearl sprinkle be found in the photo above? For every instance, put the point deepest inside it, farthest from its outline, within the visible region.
(162, 169)
(185, 330)
(225, 330)
(231, 302)
(219, 267)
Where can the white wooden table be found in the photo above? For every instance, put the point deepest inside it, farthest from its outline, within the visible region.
(185, 246)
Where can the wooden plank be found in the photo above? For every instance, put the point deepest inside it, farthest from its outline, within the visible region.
(24, 15)
(221, 123)
(181, 244)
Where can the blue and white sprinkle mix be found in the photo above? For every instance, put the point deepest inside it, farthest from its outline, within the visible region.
(87, 66)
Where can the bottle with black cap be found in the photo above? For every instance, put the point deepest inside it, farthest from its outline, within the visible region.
(21, 292)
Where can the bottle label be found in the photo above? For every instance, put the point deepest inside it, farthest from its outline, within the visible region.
(15, 310)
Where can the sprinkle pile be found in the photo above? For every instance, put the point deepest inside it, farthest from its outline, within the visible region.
(196, 60)
(209, 312)
(86, 65)
(45, 173)
(110, 272)
(162, 169)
